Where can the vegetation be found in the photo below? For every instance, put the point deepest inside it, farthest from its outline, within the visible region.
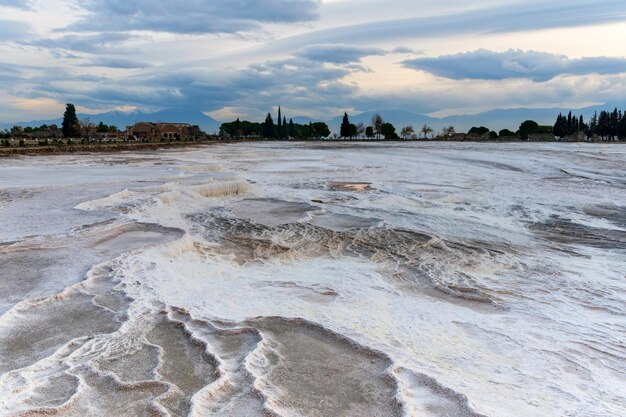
(71, 127)
(527, 128)
(609, 125)
(246, 129)
(388, 131)
(407, 132)
(102, 128)
(479, 131)
(377, 124)
(426, 130)
(345, 129)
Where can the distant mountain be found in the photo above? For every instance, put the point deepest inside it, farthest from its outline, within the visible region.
(302, 120)
(123, 119)
(494, 119)
(398, 118)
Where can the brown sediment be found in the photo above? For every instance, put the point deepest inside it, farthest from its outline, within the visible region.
(35, 330)
(184, 362)
(416, 261)
(130, 367)
(319, 373)
(272, 212)
(350, 186)
(614, 214)
(565, 231)
(40, 267)
(99, 148)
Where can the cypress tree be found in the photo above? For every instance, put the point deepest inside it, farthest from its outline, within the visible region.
(593, 125)
(559, 126)
(344, 130)
(292, 128)
(268, 126)
(70, 126)
(581, 124)
(622, 130)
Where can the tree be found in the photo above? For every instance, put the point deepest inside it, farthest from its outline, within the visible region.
(377, 123)
(369, 132)
(407, 132)
(292, 129)
(448, 132)
(268, 126)
(344, 130)
(280, 125)
(360, 129)
(71, 128)
(527, 128)
(319, 129)
(238, 130)
(87, 129)
(504, 133)
(426, 130)
(621, 125)
(480, 131)
(388, 131)
(353, 130)
(592, 129)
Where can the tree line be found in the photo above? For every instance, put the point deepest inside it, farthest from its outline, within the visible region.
(608, 125)
(283, 129)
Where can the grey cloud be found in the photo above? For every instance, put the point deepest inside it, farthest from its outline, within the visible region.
(337, 53)
(525, 16)
(191, 16)
(120, 63)
(91, 43)
(406, 50)
(302, 86)
(538, 66)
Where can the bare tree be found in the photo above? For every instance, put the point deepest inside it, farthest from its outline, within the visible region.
(87, 129)
(426, 130)
(377, 123)
(407, 132)
(360, 130)
(448, 132)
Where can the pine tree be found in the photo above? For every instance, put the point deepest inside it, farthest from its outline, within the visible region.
(560, 126)
(280, 126)
(238, 130)
(593, 125)
(70, 125)
(622, 129)
(292, 128)
(344, 130)
(285, 129)
(268, 126)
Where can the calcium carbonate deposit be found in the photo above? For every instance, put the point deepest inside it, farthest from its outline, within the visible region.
(318, 279)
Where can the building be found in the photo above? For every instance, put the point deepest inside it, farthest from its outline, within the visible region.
(158, 132)
(111, 136)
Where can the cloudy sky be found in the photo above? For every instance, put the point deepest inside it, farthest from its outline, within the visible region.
(317, 58)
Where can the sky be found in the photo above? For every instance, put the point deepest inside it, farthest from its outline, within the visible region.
(316, 58)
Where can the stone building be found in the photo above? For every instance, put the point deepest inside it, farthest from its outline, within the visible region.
(158, 132)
